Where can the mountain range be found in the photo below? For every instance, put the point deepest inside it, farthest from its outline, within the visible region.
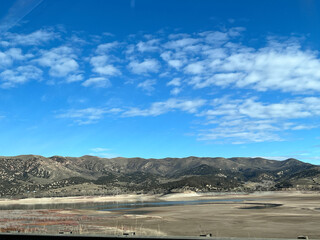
(37, 176)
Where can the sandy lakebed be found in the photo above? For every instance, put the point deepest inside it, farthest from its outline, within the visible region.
(259, 215)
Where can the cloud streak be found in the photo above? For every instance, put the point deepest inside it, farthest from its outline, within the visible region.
(172, 104)
(17, 12)
(87, 115)
(248, 120)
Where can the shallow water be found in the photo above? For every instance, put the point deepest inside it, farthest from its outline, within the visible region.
(115, 206)
(134, 205)
(260, 205)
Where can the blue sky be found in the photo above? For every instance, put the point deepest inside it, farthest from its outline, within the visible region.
(155, 79)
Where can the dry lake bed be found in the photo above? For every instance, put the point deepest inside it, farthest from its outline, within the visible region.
(259, 215)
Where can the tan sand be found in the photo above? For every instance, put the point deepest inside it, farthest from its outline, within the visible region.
(82, 199)
(297, 213)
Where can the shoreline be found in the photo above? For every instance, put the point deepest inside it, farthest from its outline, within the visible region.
(285, 214)
(147, 197)
(78, 199)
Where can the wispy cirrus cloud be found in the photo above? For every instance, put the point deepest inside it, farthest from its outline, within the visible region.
(176, 83)
(148, 46)
(248, 120)
(102, 152)
(92, 115)
(147, 85)
(36, 38)
(295, 108)
(17, 12)
(99, 149)
(87, 115)
(74, 78)
(158, 108)
(100, 82)
(105, 48)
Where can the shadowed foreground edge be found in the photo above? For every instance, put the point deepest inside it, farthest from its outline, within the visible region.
(109, 237)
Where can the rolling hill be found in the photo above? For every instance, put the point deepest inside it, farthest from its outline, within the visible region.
(37, 176)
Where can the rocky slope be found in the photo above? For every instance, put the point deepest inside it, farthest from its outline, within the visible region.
(36, 176)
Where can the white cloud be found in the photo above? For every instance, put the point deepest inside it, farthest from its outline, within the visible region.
(238, 135)
(36, 38)
(247, 120)
(129, 50)
(16, 13)
(100, 82)
(101, 66)
(218, 37)
(195, 68)
(4, 43)
(5, 60)
(211, 58)
(75, 39)
(215, 37)
(175, 91)
(99, 149)
(16, 54)
(181, 43)
(147, 85)
(84, 116)
(106, 47)
(296, 108)
(238, 130)
(60, 60)
(74, 78)
(87, 115)
(278, 158)
(175, 63)
(172, 60)
(12, 77)
(102, 152)
(99, 60)
(175, 82)
(158, 108)
(148, 46)
(148, 65)
(178, 35)
(12, 54)
(107, 70)
(218, 58)
(215, 59)
(245, 130)
(279, 66)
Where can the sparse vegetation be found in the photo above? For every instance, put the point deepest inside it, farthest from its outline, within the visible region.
(37, 176)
